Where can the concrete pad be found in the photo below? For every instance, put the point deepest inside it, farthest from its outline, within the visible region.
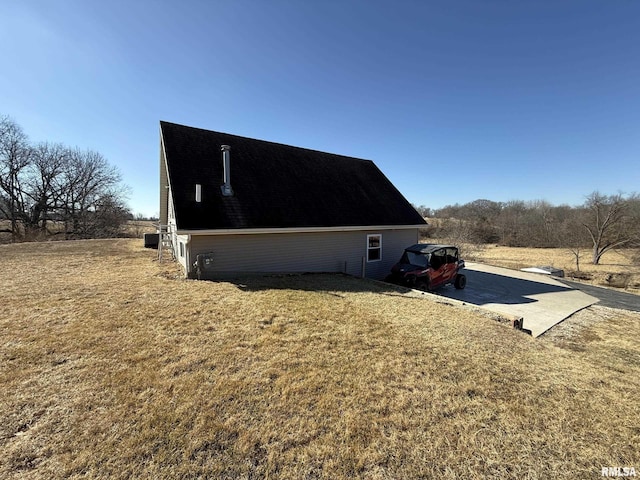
(541, 300)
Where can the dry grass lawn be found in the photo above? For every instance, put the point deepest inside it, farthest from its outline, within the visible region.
(616, 268)
(111, 366)
(131, 228)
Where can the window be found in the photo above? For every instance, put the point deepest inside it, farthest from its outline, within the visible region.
(416, 259)
(181, 249)
(374, 248)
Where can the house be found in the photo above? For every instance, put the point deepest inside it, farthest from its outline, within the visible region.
(247, 205)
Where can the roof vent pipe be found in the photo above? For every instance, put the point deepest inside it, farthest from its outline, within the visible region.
(198, 193)
(226, 160)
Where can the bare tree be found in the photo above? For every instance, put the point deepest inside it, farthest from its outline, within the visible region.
(611, 222)
(91, 185)
(510, 223)
(15, 154)
(50, 182)
(462, 234)
(423, 210)
(44, 189)
(571, 235)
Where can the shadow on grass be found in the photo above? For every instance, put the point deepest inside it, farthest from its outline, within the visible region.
(482, 288)
(314, 282)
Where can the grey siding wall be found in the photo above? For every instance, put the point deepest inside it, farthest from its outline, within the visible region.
(302, 252)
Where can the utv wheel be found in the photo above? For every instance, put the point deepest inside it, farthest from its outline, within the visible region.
(422, 284)
(461, 281)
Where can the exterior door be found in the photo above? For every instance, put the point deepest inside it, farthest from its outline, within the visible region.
(438, 263)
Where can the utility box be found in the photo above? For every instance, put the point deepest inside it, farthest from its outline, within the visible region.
(151, 240)
(204, 265)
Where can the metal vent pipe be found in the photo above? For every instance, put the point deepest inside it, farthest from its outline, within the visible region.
(226, 161)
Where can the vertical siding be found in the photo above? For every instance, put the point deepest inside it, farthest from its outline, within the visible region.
(302, 252)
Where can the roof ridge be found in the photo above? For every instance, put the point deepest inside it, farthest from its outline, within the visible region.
(242, 137)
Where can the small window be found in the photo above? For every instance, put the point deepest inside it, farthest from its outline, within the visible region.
(374, 248)
(181, 249)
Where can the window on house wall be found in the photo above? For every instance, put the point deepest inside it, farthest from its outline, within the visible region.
(374, 247)
(181, 249)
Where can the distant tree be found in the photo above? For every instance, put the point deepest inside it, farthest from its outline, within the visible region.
(602, 223)
(4, 207)
(43, 187)
(15, 155)
(91, 187)
(45, 183)
(462, 234)
(612, 221)
(423, 210)
(479, 219)
(570, 234)
(510, 223)
(449, 211)
(483, 214)
(105, 218)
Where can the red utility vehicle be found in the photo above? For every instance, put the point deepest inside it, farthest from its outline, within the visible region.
(427, 266)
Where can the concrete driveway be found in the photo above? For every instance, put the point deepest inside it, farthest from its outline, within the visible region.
(540, 300)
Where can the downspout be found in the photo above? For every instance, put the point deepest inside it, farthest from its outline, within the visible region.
(187, 256)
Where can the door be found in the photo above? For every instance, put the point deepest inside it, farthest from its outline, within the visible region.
(451, 268)
(438, 262)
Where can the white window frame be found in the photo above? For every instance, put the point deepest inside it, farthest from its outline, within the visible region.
(369, 248)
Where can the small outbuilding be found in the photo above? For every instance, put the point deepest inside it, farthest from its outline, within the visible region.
(232, 204)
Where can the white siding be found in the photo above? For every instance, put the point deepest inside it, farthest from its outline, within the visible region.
(183, 260)
(302, 252)
(164, 181)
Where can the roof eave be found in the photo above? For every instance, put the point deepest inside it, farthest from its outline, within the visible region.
(257, 231)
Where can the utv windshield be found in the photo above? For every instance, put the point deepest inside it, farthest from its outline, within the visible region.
(417, 259)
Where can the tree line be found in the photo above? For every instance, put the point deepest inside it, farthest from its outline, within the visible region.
(49, 189)
(602, 223)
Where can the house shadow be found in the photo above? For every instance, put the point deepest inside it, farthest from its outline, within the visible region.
(485, 288)
(312, 282)
(482, 288)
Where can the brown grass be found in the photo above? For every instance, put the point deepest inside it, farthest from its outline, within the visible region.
(137, 228)
(131, 228)
(112, 366)
(616, 268)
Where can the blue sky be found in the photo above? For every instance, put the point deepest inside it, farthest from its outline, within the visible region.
(453, 100)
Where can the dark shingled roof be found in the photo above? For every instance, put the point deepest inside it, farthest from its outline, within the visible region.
(275, 185)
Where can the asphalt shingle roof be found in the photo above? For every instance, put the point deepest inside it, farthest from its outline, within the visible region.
(275, 185)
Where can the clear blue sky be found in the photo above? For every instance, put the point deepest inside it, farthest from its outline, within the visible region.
(453, 100)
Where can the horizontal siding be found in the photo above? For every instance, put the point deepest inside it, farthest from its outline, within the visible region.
(302, 252)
